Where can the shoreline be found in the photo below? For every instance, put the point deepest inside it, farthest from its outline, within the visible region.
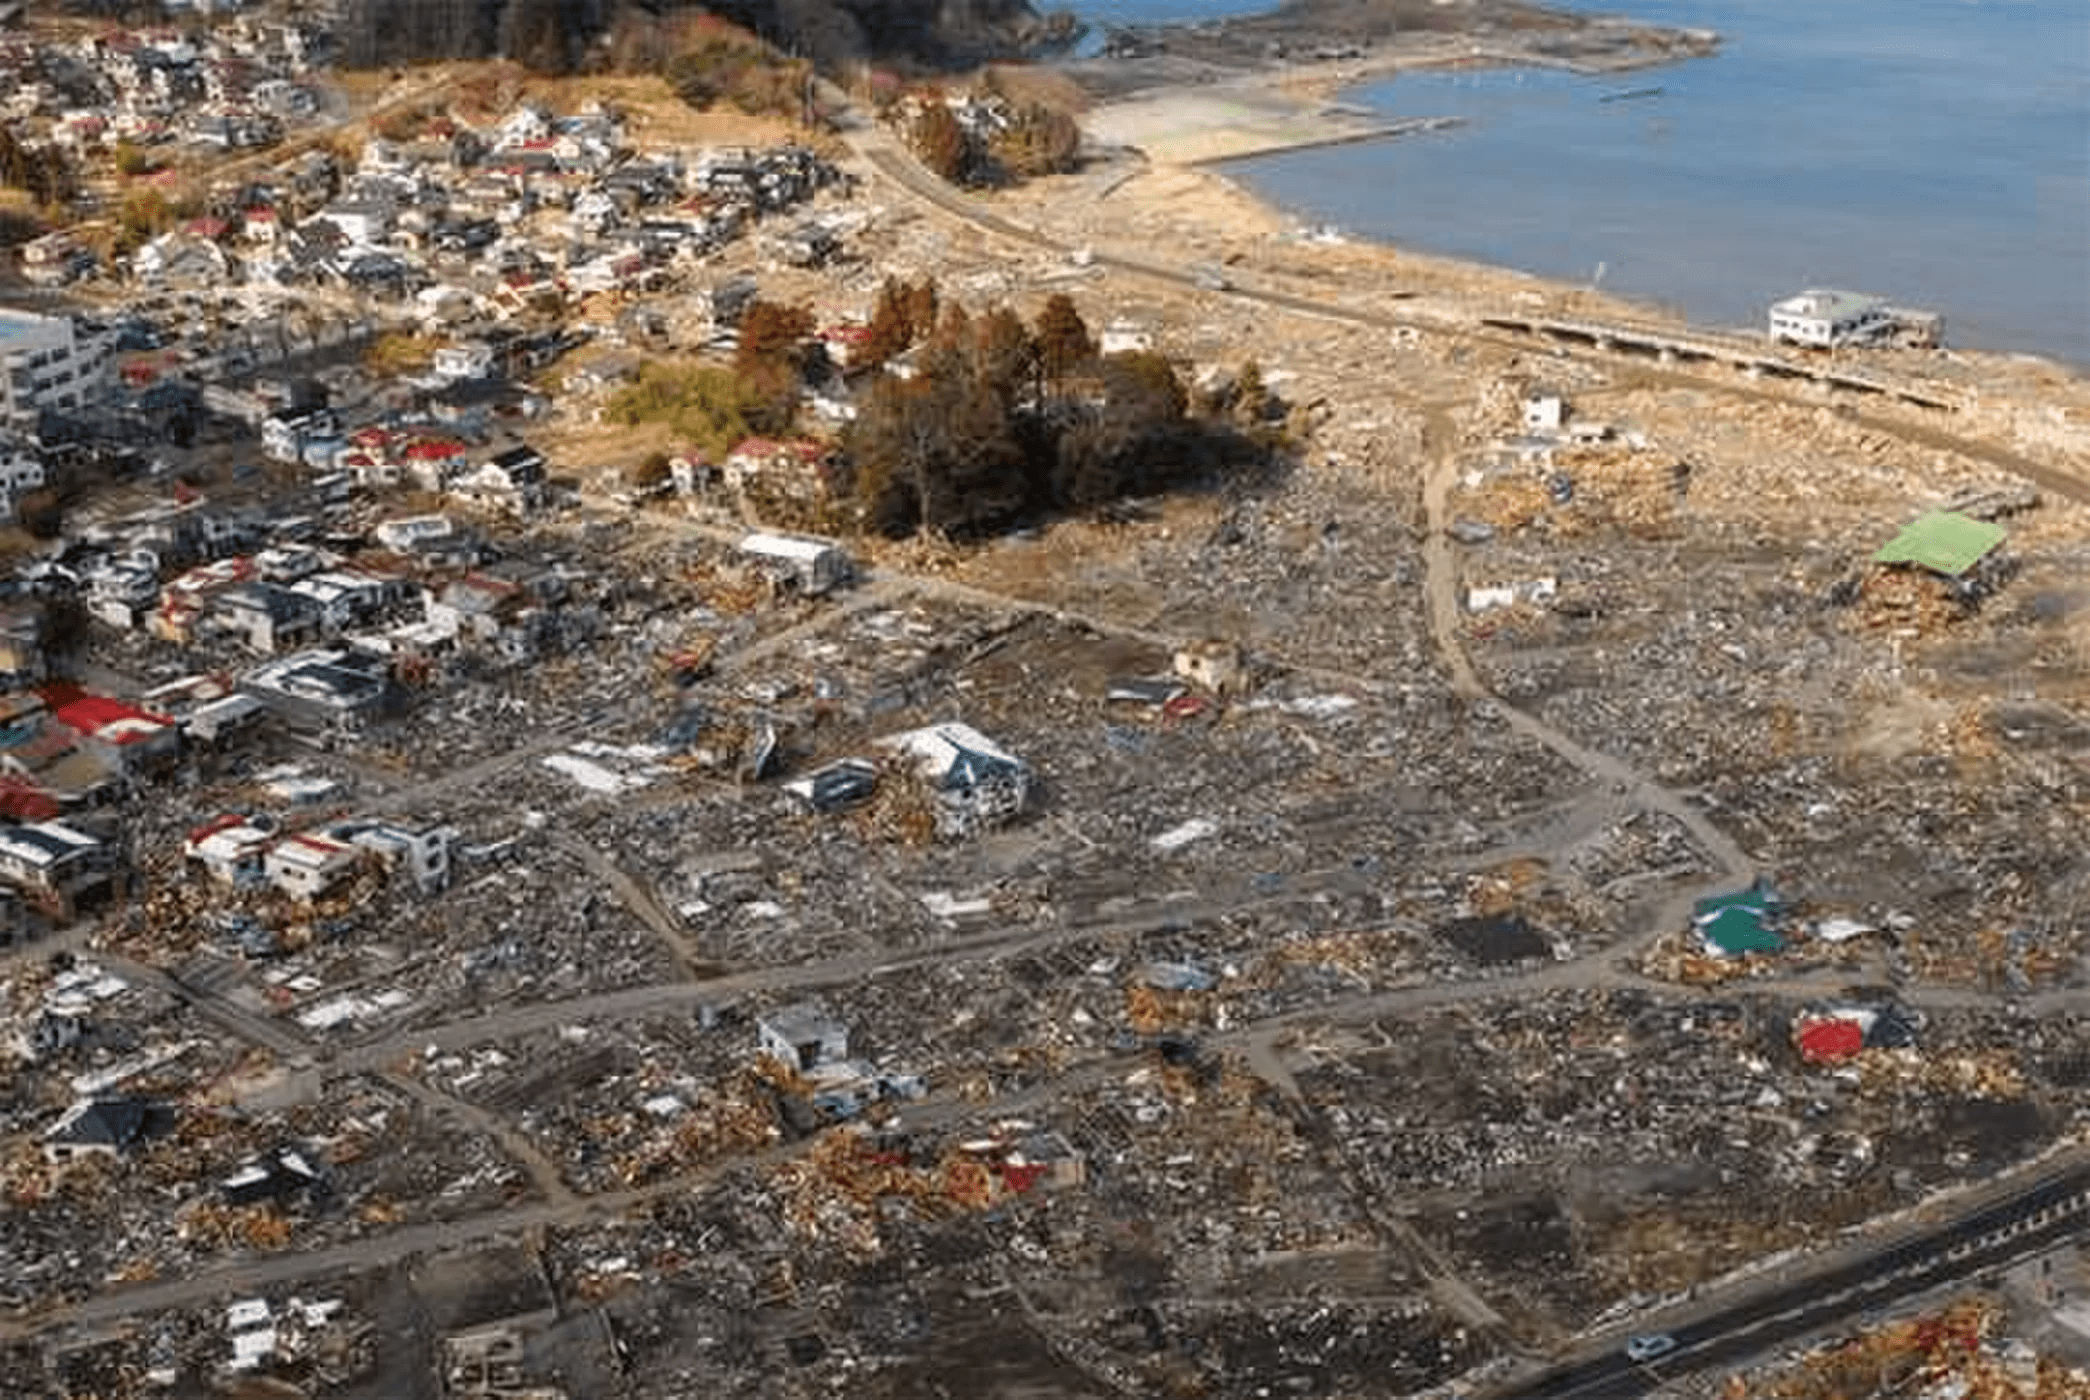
(1185, 130)
(1457, 289)
(1197, 114)
(1190, 218)
(1174, 134)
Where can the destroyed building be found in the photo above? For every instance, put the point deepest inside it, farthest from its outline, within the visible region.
(976, 783)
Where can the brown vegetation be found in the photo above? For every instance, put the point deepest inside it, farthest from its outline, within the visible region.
(998, 421)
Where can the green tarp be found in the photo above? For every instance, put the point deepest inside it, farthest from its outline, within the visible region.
(1739, 923)
(1945, 542)
(1756, 897)
(1739, 929)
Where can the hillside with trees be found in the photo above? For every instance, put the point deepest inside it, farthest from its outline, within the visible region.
(564, 36)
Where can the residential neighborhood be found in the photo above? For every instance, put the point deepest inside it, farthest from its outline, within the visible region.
(632, 764)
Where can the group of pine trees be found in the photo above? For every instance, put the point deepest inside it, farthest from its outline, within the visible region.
(1034, 140)
(965, 424)
(996, 421)
(41, 170)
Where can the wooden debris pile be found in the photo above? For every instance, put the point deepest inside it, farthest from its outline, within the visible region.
(1910, 602)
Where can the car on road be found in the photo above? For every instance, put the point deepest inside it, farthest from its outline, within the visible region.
(1650, 1346)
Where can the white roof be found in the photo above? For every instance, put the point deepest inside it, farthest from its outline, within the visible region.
(785, 547)
(936, 748)
(232, 707)
(250, 1349)
(1827, 304)
(231, 845)
(44, 843)
(130, 729)
(325, 588)
(311, 850)
(415, 527)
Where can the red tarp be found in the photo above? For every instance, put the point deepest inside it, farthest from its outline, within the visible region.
(1829, 1042)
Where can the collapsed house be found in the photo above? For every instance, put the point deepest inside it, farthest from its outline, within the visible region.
(976, 783)
(814, 1047)
(97, 1128)
(1937, 569)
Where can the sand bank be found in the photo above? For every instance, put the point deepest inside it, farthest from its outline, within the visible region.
(1213, 124)
(1178, 109)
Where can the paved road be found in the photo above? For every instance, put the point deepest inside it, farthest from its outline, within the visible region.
(2053, 1207)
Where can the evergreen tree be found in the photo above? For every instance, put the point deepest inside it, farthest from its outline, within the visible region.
(1039, 140)
(770, 361)
(921, 307)
(941, 144)
(1064, 343)
(891, 331)
(1004, 355)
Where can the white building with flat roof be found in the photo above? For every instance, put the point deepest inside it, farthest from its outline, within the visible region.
(813, 566)
(45, 363)
(1829, 318)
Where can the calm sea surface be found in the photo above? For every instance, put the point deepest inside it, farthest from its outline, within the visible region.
(1936, 152)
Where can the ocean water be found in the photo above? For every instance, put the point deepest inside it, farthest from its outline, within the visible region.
(1936, 152)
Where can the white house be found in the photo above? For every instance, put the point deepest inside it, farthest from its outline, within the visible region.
(424, 854)
(415, 533)
(1544, 413)
(349, 598)
(365, 223)
(472, 359)
(230, 848)
(306, 866)
(121, 591)
(21, 471)
(513, 481)
(54, 865)
(977, 782)
(45, 363)
(813, 566)
(284, 437)
(526, 124)
(1829, 318)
